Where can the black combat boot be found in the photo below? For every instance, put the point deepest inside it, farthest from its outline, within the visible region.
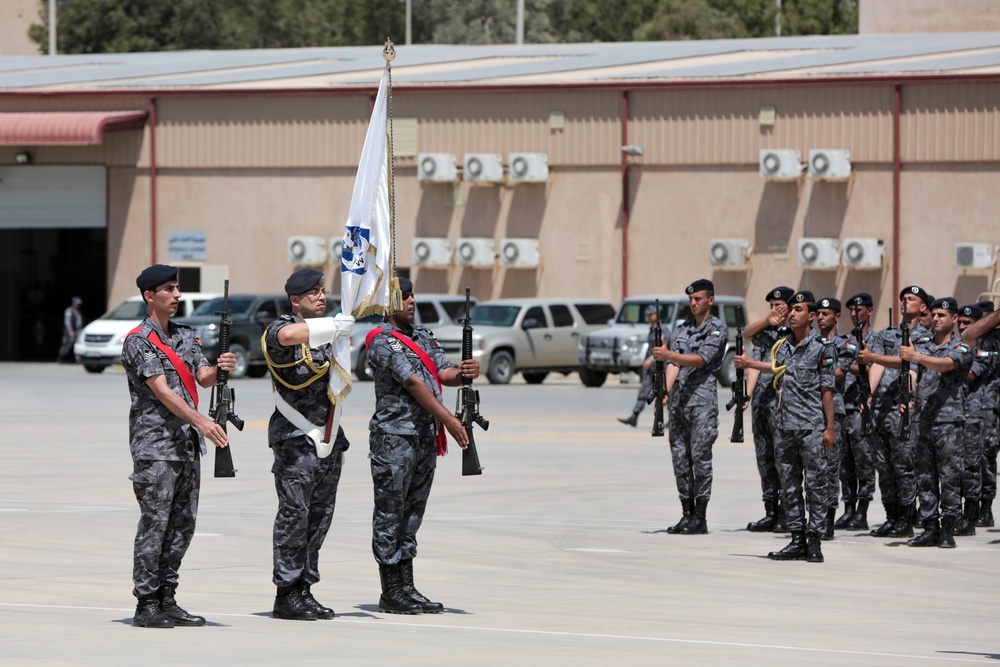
(149, 615)
(903, 526)
(846, 517)
(428, 607)
(985, 519)
(860, 519)
(929, 538)
(945, 538)
(697, 524)
(169, 606)
(687, 506)
(322, 613)
(779, 522)
(966, 525)
(766, 524)
(814, 554)
(796, 549)
(291, 606)
(831, 514)
(394, 599)
(632, 420)
(891, 514)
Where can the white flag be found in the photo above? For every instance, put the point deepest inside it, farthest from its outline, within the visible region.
(366, 261)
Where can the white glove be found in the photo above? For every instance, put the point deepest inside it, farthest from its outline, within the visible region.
(323, 330)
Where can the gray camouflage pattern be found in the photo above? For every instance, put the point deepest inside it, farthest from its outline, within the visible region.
(809, 367)
(402, 472)
(939, 476)
(698, 386)
(802, 461)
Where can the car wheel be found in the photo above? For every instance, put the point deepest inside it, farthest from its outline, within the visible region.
(257, 371)
(501, 368)
(242, 361)
(727, 373)
(591, 378)
(94, 368)
(535, 377)
(364, 371)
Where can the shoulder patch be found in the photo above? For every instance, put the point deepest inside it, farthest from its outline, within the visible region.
(964, 349)
(851, 346)
(395, 345)
(982, 354)
(826, 361)
(716, 333)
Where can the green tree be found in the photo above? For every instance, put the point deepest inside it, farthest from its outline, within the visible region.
(819, 17)
(690, 19)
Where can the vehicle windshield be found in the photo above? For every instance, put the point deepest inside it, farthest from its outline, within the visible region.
(238, 305)
(633, 312)
(129, 310)
(494, 316)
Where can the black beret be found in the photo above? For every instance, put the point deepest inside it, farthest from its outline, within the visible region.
(154, 276)
(829, 303)
(302, 281)
(803, 296)
(700, 285)
(405, 285)
(919, 291)
(973, 311)
(946, 303)
(861, 299)
(781, 292)
(986, 306)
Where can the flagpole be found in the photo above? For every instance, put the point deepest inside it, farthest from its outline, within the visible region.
(395, 294)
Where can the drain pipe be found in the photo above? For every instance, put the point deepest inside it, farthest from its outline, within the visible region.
(626, 209)
(896, 173)
(152, 180)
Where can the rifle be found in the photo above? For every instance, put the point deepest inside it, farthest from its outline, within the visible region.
(739, 393)
(223, 396)
(864, 387)
(659, 380)
(467, 410)
(905, 390)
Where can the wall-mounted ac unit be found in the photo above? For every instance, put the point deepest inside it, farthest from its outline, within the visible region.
(519, 252)
(974, 255)
(475, 252)
(780, 164)
(336, 248)
(528, 168)
(431, 252)
(830, 164)
(861, 253)
(817, 253)
(483, 167)
(306, 250)
(728, 253)
(436, 167)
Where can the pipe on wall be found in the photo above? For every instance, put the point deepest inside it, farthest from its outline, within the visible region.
(626, 208)
(152, 180)
(897, 94)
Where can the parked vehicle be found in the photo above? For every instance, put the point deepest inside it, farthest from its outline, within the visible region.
(621, 347)
(532, 336)
(99, 344)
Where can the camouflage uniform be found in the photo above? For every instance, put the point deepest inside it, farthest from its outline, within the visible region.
(763, 405)
(642, 400)
(166, 465)
(976, 423)
(402, 441)
(306, 485)
(799, 423)
(845, 353)
(990, 420)
(939, 403)
(857, 467)
(694, 407)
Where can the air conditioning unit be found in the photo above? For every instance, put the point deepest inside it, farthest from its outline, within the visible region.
(483, 167)
(974, 255)
(816, 253)
(780, 164)
(519, 252)
(528, 168)
(436, 167)
(431, 252)
(336, 249)
(306, 250)
(830, 164)
(728, 253)
(475, 252)
(862, 253)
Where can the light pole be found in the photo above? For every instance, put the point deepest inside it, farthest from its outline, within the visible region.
(52, 27)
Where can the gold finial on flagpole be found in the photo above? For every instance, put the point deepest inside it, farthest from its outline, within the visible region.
(389, 51)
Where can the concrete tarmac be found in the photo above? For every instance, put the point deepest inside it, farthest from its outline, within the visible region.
(555, 555)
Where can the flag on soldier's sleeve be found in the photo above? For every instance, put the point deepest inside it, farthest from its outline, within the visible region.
(366, 259)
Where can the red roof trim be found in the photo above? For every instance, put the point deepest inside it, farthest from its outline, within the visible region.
(64, 128)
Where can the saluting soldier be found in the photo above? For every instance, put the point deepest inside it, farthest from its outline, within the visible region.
(307, 464)
(693, 403)
(164, 365)
(407, 435)
(985, 334)
(827, 321)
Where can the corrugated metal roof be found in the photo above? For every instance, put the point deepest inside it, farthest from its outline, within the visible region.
(538, 64)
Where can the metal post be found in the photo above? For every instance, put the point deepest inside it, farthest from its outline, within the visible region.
(409, 22)
(777, 19)
(520, 21)
(52, 27)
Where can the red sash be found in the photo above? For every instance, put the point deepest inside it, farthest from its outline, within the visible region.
(442, 435)
(187, 379)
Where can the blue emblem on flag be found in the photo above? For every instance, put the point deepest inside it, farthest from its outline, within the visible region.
(355, 249)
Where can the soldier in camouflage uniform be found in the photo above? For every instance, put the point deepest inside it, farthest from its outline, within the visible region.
(645, 389)
(407, 435)
(893, 455)
(939, 405)
(692, 391)
(763, 334)
(827, 321)
(803, 362)
(299, 353)
(164, 364)
(985, 334)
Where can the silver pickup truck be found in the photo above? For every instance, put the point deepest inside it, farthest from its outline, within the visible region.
(621, 347)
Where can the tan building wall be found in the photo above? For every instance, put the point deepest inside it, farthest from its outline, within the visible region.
(928, 16)
(16, 16)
